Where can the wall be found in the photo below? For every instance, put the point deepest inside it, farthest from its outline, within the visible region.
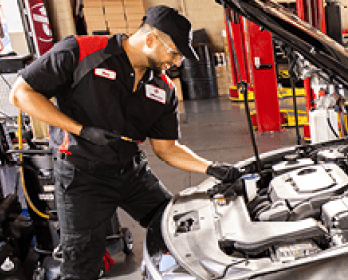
(14, 24)
(202, 14)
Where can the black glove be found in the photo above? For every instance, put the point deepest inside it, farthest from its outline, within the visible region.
(99, 136)
(226, 189)
(224, 172)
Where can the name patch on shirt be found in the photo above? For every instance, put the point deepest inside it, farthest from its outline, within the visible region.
(155, 93)
(105, 73)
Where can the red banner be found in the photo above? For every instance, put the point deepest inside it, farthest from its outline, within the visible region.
(39, 23)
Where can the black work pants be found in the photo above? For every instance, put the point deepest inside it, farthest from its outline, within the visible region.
(87, 196)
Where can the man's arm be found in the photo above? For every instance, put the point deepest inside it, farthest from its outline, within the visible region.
(180, 156)
(38, 106)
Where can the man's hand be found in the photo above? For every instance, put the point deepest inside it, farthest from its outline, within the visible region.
(224, 172)
(98, 136)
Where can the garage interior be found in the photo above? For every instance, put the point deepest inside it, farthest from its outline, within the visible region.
(213, 117)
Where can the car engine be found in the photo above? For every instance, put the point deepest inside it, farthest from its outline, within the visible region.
(299, 208)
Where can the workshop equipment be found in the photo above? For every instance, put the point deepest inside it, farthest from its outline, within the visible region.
(16, 231)
(35, 161)
(198, 78)
(38, 187)
(252, 61)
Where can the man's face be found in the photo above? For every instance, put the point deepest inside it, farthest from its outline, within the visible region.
(164, 56)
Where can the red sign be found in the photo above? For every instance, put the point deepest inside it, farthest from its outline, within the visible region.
(40, 25)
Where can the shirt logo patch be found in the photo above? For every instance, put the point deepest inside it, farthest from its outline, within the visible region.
(155, 93)
(105, 73)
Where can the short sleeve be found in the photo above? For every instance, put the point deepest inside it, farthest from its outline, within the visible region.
(54, 70)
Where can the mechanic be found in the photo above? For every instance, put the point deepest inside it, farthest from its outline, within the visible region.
(110, 93)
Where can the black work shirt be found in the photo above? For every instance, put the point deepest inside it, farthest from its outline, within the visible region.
(92, 81)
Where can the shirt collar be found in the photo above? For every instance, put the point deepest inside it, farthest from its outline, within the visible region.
(115, 44)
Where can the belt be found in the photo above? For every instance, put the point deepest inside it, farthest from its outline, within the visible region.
(86, 164)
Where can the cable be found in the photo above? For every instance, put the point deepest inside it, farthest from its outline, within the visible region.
(245, 260)
(21, 170)
(331, 127)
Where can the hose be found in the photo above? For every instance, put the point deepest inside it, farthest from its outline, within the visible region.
(330, 125)
(21, 169)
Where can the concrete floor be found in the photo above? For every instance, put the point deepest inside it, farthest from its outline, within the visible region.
(215, 129)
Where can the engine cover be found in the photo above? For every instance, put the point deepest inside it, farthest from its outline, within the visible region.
(307, 182)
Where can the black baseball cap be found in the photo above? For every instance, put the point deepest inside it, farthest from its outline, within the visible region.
(174, 24)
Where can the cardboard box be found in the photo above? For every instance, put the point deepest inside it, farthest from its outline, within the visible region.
(114, 17)
(92, 4)
(96, 25)
(135, 10)
(118, 30)
(113, 10)
(117, 24)
(134, 24)
(134, 17)
(93, 11)
(131, 30)
(133, 3)
(113, 5)
(89, 18)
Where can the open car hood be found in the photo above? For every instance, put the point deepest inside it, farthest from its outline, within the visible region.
(315, 46)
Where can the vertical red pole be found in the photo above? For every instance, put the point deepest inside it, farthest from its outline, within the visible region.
(300, 9)
(321, 16)
(239, 72)
(264, 79)
(239, 39)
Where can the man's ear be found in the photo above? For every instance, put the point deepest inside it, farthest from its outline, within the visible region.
(150, 39)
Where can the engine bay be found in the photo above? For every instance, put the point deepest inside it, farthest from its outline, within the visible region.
(294, 212)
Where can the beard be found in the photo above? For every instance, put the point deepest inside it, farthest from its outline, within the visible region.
(154, 65)
(157, 67)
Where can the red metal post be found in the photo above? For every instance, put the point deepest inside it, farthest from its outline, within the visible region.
(264, 78)
(239, 39)
(321, 16)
